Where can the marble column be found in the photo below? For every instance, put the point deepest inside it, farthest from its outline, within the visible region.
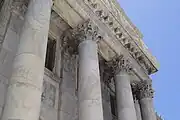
(25, 86)
(89, 87)
(138, 110)
(124, 98)
(146, 100)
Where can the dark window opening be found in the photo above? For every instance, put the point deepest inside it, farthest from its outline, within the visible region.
(113, 106)
(50, 54)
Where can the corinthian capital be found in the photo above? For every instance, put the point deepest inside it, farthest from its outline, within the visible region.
(86, 31)
(120, 64)
(145, 89)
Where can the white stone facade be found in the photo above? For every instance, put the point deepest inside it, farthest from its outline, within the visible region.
(94, 61)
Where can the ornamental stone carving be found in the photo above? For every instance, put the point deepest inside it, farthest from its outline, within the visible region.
(145, 89)
(126, 33)
(86, 31)
(120, 64)
(19, 7)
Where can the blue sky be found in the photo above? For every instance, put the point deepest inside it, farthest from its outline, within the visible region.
(159, 21)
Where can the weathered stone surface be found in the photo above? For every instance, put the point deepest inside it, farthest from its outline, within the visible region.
(147, 109)
(68, 100)
(106, 102)
(3, 89)
(5, 14)
(50, 98)
(124, 98)
(61, 103)
(9, 46)
(1, 109)
(28, 66)
(138, 110)
(89, 87)
(145, 89)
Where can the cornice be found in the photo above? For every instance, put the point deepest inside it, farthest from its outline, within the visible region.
(119, 41)
(115, 20)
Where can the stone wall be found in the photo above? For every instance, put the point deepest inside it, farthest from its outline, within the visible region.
(50, 97)
(68, 100)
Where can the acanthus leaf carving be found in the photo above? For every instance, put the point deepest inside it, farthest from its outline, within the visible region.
(145, 89)
(86, 31)
(120, 64)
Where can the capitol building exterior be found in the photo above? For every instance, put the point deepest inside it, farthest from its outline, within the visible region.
(73, 60)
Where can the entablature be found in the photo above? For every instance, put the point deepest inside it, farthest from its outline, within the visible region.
(116, 39)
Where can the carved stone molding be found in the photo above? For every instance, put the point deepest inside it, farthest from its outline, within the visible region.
(86, 31)
(123, 31)
(145, 89)
(19, 7)
(120, 64)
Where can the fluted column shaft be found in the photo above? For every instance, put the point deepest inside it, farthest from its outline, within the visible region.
(124, 98)
(146, 100)
(25, 86)
(89, 87)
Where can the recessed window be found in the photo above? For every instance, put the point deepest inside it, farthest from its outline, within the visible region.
(50, 54)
